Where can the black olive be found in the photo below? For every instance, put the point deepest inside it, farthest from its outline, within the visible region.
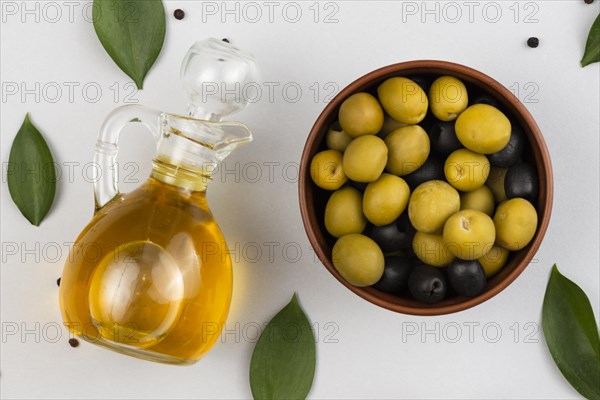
(466, 277)
(443, 138)
(484, 98)
(395, 275)
(428, 121)
(422, 81)
(432, 169)
(427, 284)
(415, 261)
(361, 186)
(521, 180)
(511, 153)
(410, 253)
(407, 231)
(395, 236)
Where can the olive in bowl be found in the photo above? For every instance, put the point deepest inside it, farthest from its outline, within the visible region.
(509, 266)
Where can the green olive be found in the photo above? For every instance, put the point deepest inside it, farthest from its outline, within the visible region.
(481, 199)
(358, 259)
(495, 182)
(448, 98)
(408, 149)
(343, 213)
(494, 260)
(327, 171)
(365, 158)
(466, 170)
(389, 125)
(469, 234)
(431, 204)
(516, 222)
(361, 114)
(403, 100)
(431, 249)
(483, 129)
(385, 199)
(337, 139)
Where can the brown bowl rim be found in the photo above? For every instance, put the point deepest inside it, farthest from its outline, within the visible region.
(442, 67)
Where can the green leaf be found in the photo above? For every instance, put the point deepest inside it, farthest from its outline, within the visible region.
(283, 362)
(572, 334)
(132, 33)
(31, 173)
(592, 47)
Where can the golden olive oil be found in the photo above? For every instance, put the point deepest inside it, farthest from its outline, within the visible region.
(150, 276)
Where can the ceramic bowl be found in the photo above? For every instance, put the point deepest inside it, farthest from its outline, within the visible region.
(313, 199)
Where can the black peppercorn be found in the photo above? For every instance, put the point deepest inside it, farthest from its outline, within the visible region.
(73, 342)
(58, 282)
(533, 42)
(179, 14)
(226, 40)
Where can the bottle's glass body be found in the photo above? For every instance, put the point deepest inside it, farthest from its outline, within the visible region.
(150, 276)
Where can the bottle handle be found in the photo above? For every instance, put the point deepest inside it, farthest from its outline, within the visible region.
(105, 157)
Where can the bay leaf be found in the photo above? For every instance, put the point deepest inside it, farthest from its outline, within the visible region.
(283, 362)
(592, 47)
(31, 173)
(132, 33)
(572, 334)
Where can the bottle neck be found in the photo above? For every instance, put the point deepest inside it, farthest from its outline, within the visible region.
(183, 177)
(189, 150)
(182, 161)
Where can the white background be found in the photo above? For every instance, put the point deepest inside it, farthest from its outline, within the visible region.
(363, 351)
